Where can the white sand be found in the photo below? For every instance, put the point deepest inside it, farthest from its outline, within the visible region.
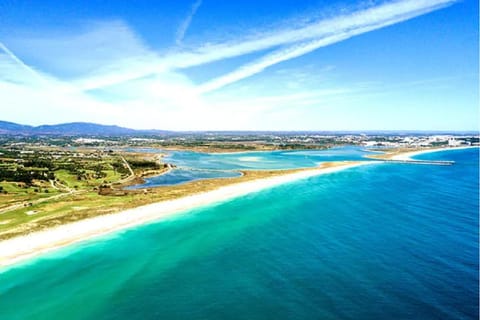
(408, 155)
(24, 247)
(250, 159)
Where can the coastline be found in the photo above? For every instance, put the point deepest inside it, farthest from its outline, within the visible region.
(25, 247)
(18, 249)
(408, 155)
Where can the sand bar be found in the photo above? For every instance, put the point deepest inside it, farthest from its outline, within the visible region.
(21, 248)
(406, 156)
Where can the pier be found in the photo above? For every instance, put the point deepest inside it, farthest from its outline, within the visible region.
(431, 162)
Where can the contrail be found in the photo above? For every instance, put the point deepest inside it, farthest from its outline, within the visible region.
(293, 42)
(343, 28)
(186, 23)
(11, 55)
(45, 81)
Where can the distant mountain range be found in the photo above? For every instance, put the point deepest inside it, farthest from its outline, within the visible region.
(73, 129)
(100, 130)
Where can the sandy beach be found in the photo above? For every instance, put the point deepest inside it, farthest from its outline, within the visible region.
(408, 155)
(21, 248)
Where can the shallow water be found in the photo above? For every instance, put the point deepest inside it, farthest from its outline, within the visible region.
(179, 176)
(264, 159)
(197, 166)
(384, 241)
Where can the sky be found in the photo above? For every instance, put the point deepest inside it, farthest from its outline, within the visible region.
(242, 65)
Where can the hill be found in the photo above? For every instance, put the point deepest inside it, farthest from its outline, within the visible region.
(73, 129)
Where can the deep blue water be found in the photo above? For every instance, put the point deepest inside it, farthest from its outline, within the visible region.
(383, 241)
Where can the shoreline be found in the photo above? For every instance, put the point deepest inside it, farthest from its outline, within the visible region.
(407, 156)
(19, 249)
(26, 247)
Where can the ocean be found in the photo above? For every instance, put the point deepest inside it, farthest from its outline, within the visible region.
(381, 241)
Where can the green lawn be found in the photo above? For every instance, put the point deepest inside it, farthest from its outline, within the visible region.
(17, 193)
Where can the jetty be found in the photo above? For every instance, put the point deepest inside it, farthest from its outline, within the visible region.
(431, 162)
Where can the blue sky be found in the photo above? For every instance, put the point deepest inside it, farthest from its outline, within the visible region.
(242, 65)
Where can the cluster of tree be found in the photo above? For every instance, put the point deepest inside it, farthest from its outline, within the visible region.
(8, 153)
(71, 167)
(119, 167)
(84, 175)
(25, 176)
(239, 146)
(81, 174)
(296, 146)
(98, 171)
(39, 163)
(144, 164)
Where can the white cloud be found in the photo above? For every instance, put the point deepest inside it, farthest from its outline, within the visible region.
(296, 41)
(106, 73)
(81, 50)
(26, 90)
(328, 32)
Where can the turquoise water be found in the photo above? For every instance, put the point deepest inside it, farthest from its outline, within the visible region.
(264, 159)
(383, 241)
(198, 166)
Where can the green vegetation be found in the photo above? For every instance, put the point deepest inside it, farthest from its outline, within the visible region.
(51, 180)
(137, 164)
(47, 181)
(32, 178)
(81, 205)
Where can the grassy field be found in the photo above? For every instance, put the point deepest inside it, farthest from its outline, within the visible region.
(41, 188)
(15, 192)
(71, 180)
